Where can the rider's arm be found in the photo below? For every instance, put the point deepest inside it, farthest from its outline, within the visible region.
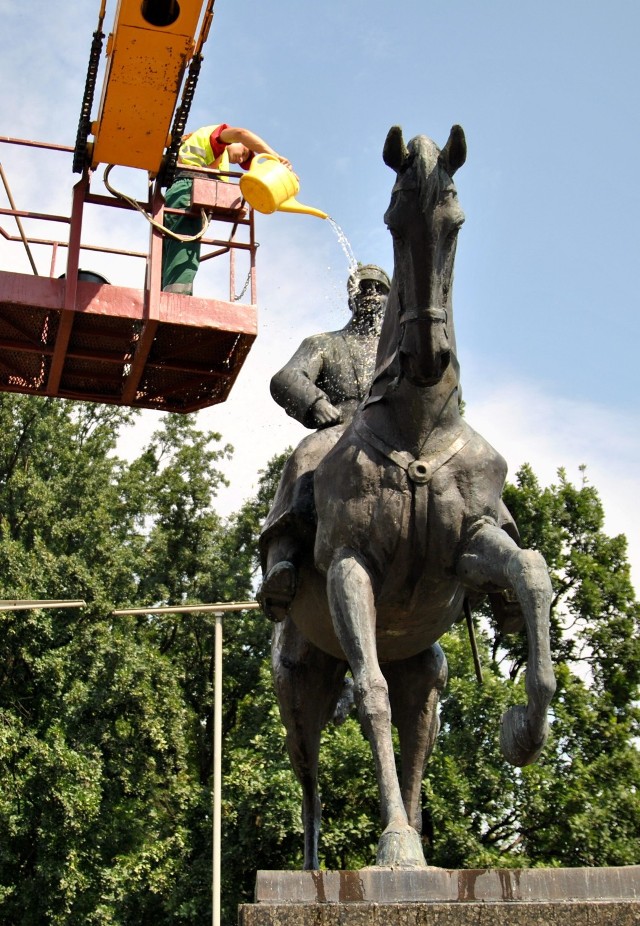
(294, 386)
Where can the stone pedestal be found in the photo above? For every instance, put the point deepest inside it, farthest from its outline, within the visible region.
(438, 897)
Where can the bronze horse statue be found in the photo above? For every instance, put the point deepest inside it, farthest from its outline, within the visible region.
(409, 524)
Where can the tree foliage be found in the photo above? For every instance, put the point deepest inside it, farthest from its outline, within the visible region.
(104, 760)
(106, 722)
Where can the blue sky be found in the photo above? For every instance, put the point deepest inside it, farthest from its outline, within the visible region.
(546, 285)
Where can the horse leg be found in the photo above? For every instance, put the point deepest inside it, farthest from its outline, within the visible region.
(492, 560)
(351, 599)
(308, 685)
(414, 691)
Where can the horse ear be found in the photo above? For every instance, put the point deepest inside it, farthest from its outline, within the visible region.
(394, 153)
(454, 153)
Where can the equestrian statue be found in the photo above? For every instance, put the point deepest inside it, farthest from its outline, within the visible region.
(408, 525)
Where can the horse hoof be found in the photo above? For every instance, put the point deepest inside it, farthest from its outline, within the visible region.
(518, 746)
(400, 847)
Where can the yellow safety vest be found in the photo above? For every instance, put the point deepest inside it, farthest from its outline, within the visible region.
(196, 150)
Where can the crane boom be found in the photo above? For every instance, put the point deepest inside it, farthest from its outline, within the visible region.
(147, 54)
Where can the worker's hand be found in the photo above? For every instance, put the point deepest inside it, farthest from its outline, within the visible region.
(286, 162)
(325, 414)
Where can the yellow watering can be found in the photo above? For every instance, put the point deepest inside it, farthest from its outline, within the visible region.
(269, 186)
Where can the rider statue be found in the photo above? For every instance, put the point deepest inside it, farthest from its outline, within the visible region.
(321, 386)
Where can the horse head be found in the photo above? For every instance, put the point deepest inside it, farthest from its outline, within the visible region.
(424, 218)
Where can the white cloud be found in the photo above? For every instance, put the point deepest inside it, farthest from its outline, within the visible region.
(528, 425)
(523, 422)
(301, 276)
(301, 290)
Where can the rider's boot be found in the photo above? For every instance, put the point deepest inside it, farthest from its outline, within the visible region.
(278, 590)
(280, 578)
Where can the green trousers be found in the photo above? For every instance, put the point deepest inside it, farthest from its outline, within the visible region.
(180, 259)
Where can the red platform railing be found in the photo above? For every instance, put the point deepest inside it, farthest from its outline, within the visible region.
(76, 336)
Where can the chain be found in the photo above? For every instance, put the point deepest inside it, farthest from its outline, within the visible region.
(180, 121)
(84, 125)
(244, 288)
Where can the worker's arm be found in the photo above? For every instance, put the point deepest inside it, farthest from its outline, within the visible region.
(253, 142)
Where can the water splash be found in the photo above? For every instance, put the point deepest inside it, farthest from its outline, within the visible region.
(344, 243)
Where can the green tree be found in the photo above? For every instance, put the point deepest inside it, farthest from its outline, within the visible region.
(105, 723)
(100, 808)
(478, 810)
(580, 804)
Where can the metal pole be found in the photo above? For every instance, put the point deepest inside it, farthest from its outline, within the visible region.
(218, 609)
(27, 604)
(217, 769)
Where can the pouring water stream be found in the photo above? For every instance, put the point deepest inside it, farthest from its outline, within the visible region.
(344, 243)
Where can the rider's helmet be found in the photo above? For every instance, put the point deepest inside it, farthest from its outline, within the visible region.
(366, 272)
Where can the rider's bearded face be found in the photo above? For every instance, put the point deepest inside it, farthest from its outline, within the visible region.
(370, 298)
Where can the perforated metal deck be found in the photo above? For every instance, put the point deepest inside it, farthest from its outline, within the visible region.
(179, 355)
(75, 336)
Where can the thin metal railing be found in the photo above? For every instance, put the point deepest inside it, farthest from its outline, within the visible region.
(221, 246)
(23, 236)
(26, 604)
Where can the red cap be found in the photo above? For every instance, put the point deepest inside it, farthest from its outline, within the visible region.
(245, 165)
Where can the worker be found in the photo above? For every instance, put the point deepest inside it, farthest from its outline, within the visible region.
(212, 146)
(321, 386)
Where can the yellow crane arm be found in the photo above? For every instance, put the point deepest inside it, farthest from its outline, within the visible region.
(147, 54)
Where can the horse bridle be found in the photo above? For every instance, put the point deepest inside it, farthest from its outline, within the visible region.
(420, 313)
